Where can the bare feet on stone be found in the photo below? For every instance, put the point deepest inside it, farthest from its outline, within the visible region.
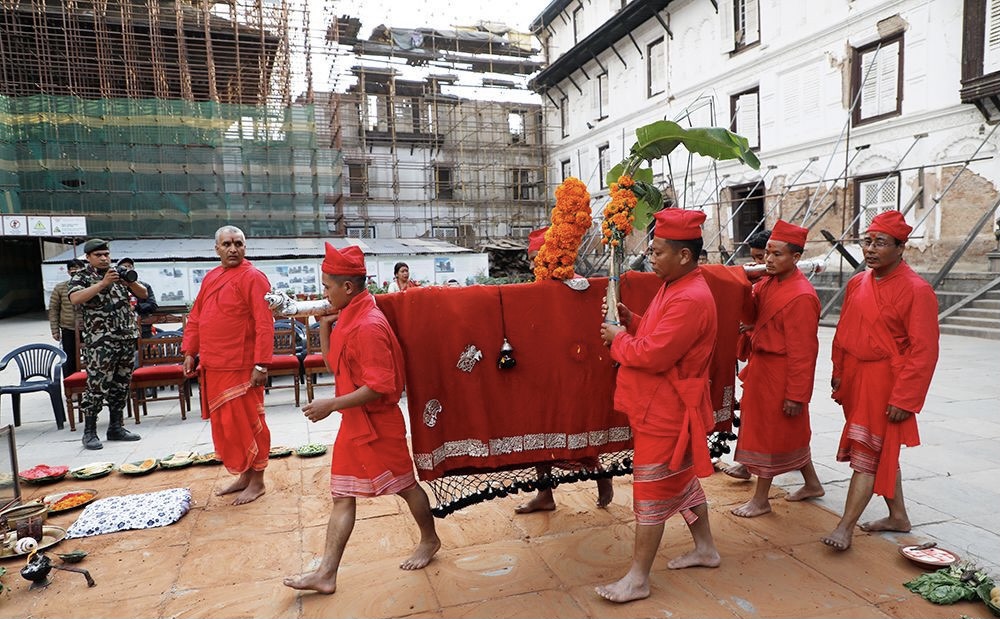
(628, 589)
(901, 525)
(421, 556)
(240, 484)
(751, 509)
(251, 493)
(805, 492)
(738, 471)
(695, 558)
(312, 581)
(605, 492)
(538, 504)
(839, 539)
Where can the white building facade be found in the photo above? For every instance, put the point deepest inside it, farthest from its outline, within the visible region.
(853, 107)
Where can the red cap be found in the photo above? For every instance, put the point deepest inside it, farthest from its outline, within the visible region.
(536, 239)
(675, 224)
(789, 233)
(348, 261)
(893, 224)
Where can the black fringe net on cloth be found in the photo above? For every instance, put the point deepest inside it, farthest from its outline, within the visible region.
(454, 492)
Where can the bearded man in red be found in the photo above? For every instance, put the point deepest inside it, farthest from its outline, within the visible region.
(663, 387)
(370, 456)
(231, 330)
(778, 380)
(884, 354)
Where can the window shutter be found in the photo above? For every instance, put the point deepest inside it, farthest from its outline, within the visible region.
(880, 90)
(605, 93)
(747, 118)
(752, 27)
(991, 49)
(728, 34)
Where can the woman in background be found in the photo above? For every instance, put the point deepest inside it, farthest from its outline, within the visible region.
(401, 278)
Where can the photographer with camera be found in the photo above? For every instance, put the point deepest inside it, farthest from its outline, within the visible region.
(143, 307)
(109, 332)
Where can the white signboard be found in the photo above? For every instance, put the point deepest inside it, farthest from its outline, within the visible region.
(39, 225)
(15, 225)
(69, 226)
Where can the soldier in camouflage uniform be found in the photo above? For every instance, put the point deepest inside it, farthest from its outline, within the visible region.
(109, 332)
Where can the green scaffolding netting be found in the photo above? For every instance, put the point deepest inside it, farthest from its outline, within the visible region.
(156, 168)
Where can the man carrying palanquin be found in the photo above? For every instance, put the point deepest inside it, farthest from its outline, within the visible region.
(884, 354)
(778, 380)
(231, 330)
(663, 387)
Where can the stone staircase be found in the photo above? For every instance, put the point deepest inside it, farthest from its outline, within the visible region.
(980, 318)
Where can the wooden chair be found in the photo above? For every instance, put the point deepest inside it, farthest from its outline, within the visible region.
(161, 364)
(284, 361)
(314, 364)
(75, 384)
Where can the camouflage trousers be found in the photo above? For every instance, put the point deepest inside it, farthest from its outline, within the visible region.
(109, 373)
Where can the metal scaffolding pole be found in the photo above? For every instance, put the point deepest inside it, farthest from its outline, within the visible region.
(777, 203)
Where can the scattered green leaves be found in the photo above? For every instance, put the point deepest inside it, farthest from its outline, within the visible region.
(950, 584)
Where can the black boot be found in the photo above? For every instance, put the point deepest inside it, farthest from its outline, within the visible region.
(90, 440)
(117, 431)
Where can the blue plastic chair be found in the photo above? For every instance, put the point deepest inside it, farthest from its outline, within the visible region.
(41, 370)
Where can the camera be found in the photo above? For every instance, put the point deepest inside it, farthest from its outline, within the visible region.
(127, 275)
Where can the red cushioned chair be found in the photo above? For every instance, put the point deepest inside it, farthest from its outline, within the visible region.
(161, 364)
(284, 361)
(314, 364)
(75, 384)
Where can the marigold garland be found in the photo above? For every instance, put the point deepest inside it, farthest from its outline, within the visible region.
(570, 221)
(618, 214)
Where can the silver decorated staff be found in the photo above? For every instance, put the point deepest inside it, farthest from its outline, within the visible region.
(284, 306)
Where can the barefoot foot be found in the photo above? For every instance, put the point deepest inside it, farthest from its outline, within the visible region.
(628, 589)
(838, 539)
(805, 492)
(738, 471)
(696, 558)
(251, 493)
(887, 524)
(240, 484)
(540, 503)
(312, 581)
(751, 509)
(422, 555)
(605, 492)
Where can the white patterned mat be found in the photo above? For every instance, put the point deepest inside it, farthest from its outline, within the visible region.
(132, 511)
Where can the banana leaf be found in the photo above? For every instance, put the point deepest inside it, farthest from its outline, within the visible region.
(660, 138)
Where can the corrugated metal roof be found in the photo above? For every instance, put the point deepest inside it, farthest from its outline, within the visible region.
(157, 250)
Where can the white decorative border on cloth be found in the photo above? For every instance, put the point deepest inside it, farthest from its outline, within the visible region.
(476, 448)
(726, 412)
(132, 511)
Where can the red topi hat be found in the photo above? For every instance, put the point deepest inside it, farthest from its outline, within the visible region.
(348, 261)
(675, 224)
(789, 233)
(536, 239)
(893, 224)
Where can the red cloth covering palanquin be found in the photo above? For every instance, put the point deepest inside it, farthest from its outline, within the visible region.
(556, 403)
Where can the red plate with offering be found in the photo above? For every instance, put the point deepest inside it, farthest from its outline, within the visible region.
(43, 473)
(929, 555)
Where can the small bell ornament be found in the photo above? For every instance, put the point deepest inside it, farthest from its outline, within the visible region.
(506, 359)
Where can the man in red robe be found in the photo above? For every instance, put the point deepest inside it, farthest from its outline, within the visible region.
(231, 330)
(663, 387)
(370, 456)
(778, 380)
(544, 500)
(884, 354)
